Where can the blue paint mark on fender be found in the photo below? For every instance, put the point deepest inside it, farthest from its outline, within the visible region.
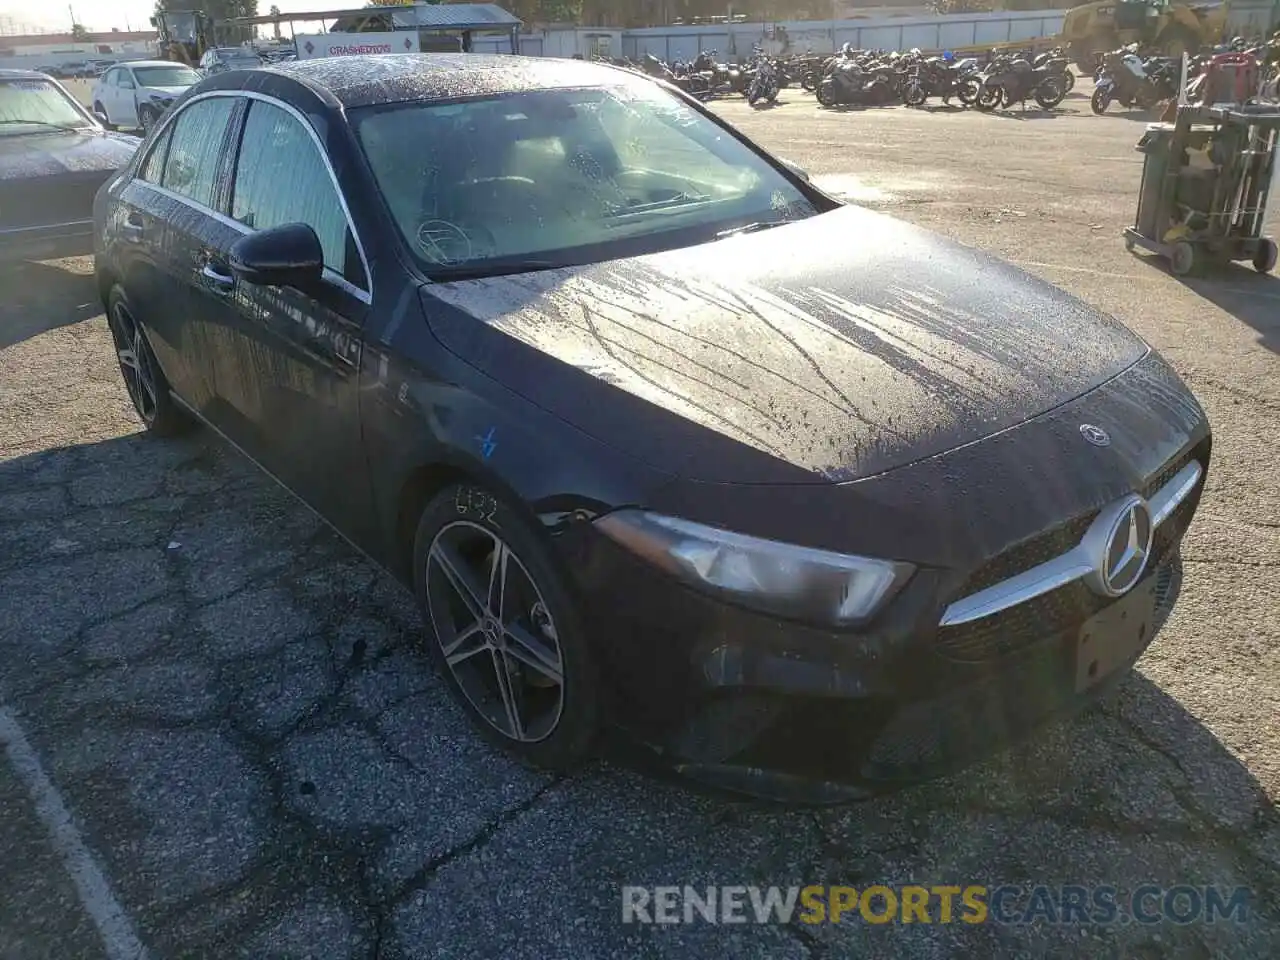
(487, 443)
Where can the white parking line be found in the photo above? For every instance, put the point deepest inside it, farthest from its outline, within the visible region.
(118, 936)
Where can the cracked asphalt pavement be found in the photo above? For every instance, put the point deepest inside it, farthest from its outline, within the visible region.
(230, 705)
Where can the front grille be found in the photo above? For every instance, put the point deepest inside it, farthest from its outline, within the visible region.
(1027, 554)
(42, 201)
(1009, 631)
(1061, 610)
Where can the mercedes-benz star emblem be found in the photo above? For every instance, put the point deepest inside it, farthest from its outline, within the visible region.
(1095, 435)
(1119, 542)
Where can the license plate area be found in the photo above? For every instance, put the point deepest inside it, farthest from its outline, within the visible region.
(1113, 637)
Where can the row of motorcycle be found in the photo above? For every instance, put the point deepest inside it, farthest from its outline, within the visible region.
(877, 78)
(1132, 79)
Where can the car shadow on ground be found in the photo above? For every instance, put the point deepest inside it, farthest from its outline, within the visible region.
(174, 610)
(39, 296)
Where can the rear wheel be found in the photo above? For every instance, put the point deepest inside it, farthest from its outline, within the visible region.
(825, 93)
(143, 379)
(1068, 82)
(914, 94)
(1264, 258)
(502, 627)
(967, 92)
(989, 97)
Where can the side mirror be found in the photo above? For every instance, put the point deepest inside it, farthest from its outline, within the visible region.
(795, 168)
(289, 255)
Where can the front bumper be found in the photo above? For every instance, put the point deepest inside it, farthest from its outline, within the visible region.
(753, 704)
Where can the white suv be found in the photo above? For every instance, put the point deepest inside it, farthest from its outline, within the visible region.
(137, 94)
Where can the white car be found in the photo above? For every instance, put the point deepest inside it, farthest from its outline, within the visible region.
(135, 95)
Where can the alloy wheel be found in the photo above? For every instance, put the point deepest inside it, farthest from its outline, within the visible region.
(136, 363)
(495, 630)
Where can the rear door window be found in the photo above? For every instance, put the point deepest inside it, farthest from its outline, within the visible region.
(191, 165)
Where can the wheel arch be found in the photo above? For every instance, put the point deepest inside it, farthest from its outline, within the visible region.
(424, 481)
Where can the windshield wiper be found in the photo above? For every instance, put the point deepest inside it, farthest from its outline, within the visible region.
(751, 228)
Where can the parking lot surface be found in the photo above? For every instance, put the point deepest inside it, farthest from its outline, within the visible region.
(227, 704)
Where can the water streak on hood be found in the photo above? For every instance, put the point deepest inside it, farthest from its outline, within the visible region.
(834, 348)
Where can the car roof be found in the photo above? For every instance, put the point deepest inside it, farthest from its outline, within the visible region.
(11, 74)
(390, 78)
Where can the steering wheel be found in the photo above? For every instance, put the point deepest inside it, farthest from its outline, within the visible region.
(446, 243)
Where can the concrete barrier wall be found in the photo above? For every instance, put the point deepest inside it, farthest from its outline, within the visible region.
(889, 33)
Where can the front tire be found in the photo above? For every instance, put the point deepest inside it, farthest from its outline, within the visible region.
(1099, 102)
(503, 629)
(1049, 94)
(989, 97)
(915, 93)
(100, 112)
(967, 92)
(147, 117)
(143, 379)
(1184, 261)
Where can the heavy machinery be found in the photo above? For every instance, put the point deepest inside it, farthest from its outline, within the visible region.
(184, 35)
(1156, 25)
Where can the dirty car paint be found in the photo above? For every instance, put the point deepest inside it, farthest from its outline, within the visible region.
(843, 345)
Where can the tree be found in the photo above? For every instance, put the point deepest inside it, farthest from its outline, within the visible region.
(79, 32)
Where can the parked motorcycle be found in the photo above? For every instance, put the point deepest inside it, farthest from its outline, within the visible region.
(1008, 80)
(847, 83)
(940, 77)
(1068, 78)
(1124, 77)
(763, 86)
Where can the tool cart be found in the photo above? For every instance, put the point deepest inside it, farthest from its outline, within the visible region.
(1205, 181)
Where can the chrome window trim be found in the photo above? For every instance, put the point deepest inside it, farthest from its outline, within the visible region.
(360, 293)
(1067, 567)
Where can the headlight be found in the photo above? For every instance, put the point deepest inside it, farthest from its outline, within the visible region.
(781, 578)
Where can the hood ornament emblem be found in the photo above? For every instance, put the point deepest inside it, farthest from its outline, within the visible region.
(1095, 435)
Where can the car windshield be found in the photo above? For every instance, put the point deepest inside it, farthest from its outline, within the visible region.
(31, 106)
(175, 76)
(553, 177)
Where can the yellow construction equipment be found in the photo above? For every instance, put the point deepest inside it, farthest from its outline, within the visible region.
(1170, 28)
(184, 35)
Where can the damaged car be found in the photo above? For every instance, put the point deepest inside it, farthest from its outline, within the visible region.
(809, 502)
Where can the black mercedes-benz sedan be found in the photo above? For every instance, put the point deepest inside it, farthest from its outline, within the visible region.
(809, 501)
(54, 156)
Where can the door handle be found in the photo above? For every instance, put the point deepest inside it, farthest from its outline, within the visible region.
(132, 229)
(221, 283)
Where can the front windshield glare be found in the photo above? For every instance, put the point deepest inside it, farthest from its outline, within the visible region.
(28, 106)
(550, 177)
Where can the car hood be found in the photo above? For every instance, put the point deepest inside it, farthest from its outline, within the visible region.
(55, 154)
(830, 349)
(166, 91)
